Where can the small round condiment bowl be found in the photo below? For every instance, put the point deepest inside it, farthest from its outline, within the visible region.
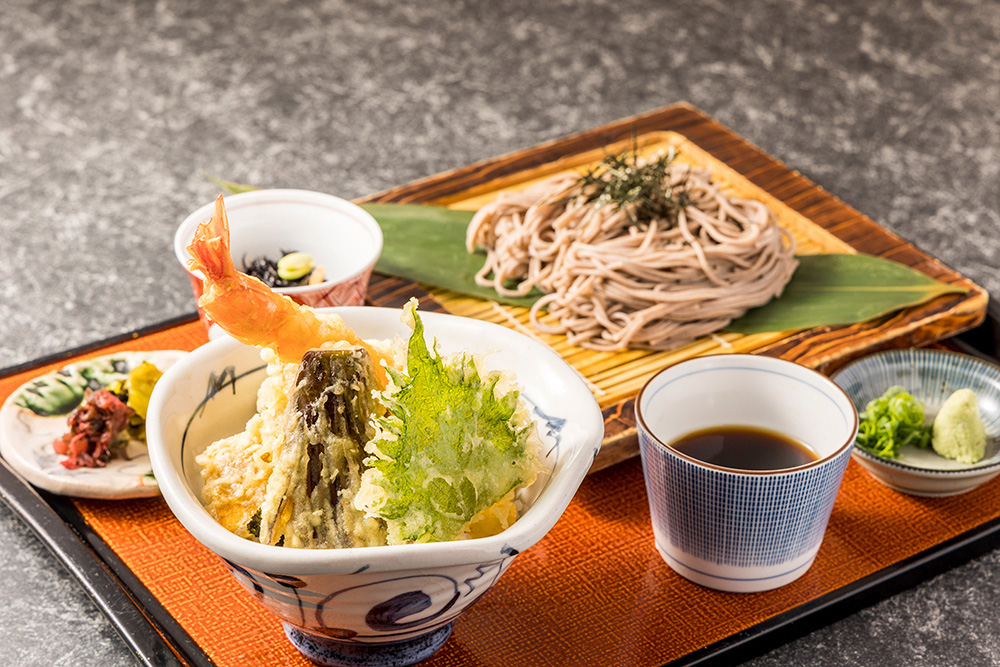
(742, 530)
(343, 238)
(370, 605)
(929, 376)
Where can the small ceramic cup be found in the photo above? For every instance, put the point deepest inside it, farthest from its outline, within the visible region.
(742, 530)
(343, 238)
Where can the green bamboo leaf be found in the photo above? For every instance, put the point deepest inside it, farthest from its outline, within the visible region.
(230, 186)
(840, 289)
(426, 244)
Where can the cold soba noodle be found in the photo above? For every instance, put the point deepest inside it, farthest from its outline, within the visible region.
(611, 282)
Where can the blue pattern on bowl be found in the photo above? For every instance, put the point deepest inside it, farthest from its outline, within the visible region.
(396, 606)
(370, 605)
(754, 531)
(331, 652)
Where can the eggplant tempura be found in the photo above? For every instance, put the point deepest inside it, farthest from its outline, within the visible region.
(357, 443)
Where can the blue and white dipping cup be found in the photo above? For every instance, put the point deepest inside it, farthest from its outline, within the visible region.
(742, 530)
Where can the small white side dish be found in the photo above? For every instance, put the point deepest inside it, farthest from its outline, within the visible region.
(734, 529)
(343, 238)
(28, 427)
(930, 376)
(371, 605)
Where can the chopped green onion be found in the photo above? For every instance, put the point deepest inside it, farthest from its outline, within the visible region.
(891, 421)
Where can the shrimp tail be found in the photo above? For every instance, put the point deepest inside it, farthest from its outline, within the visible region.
(252, 312)
(209, 250)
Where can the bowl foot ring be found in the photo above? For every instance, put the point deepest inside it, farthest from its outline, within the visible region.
(335, 653)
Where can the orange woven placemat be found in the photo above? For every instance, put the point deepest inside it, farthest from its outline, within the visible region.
(592, 592)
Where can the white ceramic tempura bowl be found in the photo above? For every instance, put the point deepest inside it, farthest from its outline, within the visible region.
(369, 599)
(742, 530)
(343, 238)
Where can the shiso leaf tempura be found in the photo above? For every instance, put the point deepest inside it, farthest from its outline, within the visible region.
(452, 444)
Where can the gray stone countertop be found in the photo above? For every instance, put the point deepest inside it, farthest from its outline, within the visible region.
(113, 113)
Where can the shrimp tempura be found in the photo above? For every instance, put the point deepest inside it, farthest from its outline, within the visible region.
(253, 313)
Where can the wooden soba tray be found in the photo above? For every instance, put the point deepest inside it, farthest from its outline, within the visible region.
(819, 222)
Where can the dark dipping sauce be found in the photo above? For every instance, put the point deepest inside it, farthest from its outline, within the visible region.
(744, 448)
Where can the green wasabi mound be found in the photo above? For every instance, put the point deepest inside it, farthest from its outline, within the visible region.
(958, 432)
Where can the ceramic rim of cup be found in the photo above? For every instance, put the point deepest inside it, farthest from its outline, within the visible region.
(185, 231)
